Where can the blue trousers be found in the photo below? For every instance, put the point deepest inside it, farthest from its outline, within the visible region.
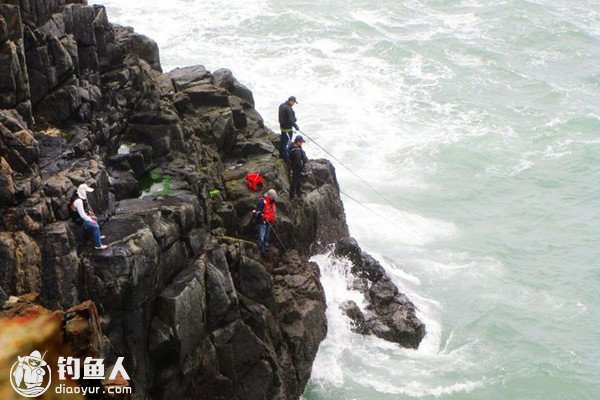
(264, 230)
(94, 229)
(283, 146)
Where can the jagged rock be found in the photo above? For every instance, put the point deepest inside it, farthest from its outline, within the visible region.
(3, 30)
(222, 298)
(359, 323)
(161, 138)
(59, 104)
(161, 339)
(253, 281)
(7, 186)
(302, 315)
(394, 316)
(124, 185)
(79, 20)
(363, 265)
(60, 264)
(207, 95)
(62, 59)
(189, 76)
(14, 80)
(54, 26)
(30, 216)
(224, 78)
(224, 132)
(181, 307)
(248, 147)
(20, 263)
(83, 331)
(182, 102)
(196, 314)
(140, 45)
(3, 297)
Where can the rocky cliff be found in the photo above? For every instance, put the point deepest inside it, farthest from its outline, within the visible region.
(194, 309)
(181, 292)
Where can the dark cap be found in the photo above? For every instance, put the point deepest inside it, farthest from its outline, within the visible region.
(299, 138)
(293, 98)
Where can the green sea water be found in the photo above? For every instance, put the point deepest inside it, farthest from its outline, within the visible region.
(479, 121)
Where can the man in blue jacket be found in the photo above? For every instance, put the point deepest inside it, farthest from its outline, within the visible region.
(287, 121)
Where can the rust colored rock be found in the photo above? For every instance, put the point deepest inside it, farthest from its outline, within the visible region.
(83, 331)
(27, 327)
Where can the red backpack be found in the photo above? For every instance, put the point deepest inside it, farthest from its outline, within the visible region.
(254, 180)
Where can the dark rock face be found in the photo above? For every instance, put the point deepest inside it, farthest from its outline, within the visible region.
(359, 323)
(180, 293)
(393, 314)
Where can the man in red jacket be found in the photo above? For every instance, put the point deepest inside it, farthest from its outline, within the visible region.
(265, 214)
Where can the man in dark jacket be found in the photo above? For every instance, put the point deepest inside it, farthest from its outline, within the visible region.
(287, 120)
(298, 161)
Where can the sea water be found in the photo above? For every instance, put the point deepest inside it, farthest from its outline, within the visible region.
(479, 123)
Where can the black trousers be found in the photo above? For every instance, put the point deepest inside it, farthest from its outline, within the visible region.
(296, 184)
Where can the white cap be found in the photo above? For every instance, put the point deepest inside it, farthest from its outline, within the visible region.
(83, 190)
(272, 194)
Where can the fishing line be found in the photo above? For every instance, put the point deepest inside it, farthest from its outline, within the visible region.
(362, 204)
(351, 171)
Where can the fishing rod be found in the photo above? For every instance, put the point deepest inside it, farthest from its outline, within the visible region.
(277, 236)
(351, 171)
(314, 179)
(362, 204)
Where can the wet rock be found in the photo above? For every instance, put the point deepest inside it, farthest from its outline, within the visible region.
(196, 314)
(394, 316)
(359, 323)
(301, 303)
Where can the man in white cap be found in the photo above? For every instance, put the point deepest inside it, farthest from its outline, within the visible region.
(82, 214)
(265, 214)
